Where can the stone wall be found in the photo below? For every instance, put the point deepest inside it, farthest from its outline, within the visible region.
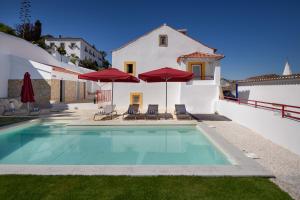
(41, 88)
(55, 90)
(47, 91)
(70, 91)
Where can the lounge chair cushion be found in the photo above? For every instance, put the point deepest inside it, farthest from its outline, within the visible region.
(180, 109)
(131, 111)
(151, 112)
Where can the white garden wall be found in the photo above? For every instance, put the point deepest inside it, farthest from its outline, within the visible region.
(275, 93)
(269, 124)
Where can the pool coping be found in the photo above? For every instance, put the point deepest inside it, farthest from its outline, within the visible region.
(242, 166)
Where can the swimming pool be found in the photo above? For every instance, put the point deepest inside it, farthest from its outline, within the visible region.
(58, 144)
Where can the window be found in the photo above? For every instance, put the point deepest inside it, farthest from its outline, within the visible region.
(52, 45)
(163, 40)
(198, 68)
(85, 49)
(136, 98)
(62, 45)
(72, 46)
(130, 67)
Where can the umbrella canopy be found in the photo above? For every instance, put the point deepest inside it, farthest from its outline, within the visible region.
(27, 94)
(166, 75)
(109, 75)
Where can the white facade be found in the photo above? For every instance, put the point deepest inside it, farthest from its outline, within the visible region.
(76, 46)
(198, 95)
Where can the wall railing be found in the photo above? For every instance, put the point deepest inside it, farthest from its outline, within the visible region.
(286, 111)
(103, 96)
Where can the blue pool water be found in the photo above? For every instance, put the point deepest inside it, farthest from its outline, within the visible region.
(57, 144)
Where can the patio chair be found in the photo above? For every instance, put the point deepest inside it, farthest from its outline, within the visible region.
(34, 111)
(106, 111)
(133, 110)
(181, 113)
(152, 111)
(12, 107)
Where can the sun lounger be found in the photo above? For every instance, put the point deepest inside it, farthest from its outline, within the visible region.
(106, 111)
(34, 111)
(12, 107)
(152, 111)
(181, 113)
(133, 111)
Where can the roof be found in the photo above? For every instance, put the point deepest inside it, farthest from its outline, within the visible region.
(200, 55)
(271, 77)
(132, 41)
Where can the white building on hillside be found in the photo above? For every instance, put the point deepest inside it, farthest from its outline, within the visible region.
(168, 47)
(76, 46)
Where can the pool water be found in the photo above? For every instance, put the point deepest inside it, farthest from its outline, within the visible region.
(58, 144)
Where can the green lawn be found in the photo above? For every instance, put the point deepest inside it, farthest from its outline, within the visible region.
(133, 188)
(10, 120)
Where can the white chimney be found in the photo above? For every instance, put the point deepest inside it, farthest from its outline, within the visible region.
(183, 31)
(287, 69)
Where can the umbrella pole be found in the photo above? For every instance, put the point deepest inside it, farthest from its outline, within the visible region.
(166, 99)
(28, 108)
(112, 98)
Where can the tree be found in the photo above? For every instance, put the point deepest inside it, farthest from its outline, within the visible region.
(105, 63)
(30, 32)
(74, 59)
(61, 50)
(90, 64)
(37, 30)
(25, 31)
(7, 29)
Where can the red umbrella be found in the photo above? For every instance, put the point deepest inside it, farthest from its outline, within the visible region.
(166, 75)
(109, 75)
(27, 94)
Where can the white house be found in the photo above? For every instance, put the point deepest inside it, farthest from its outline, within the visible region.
(76, 46)
(168, 47)
(53, 81)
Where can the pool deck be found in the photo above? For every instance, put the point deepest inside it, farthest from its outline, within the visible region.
(241, 165)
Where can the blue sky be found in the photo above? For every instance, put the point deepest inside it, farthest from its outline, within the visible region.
(255, 36)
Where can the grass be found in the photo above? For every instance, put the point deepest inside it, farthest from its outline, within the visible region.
(11, 120)
(136, 188)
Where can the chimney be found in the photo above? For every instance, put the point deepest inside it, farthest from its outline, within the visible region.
(59, 36)
(183, 31)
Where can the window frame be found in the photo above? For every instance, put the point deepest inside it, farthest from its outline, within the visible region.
(133, 63)
(140, 95)
(62, 45)
(160, 40)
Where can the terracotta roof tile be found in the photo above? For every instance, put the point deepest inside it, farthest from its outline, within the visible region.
(200, 55)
